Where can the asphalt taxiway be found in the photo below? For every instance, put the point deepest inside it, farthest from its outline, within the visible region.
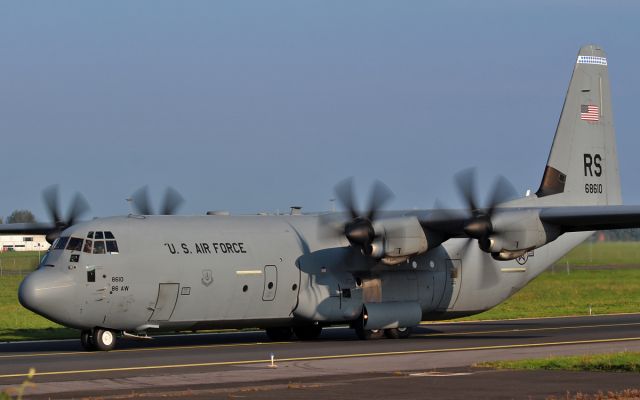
(224, 364)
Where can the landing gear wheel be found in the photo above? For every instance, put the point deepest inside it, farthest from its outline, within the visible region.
(279, 334)
(104, 339)
(397, 333)
(86, 340)
(368, 334)
(308, 332)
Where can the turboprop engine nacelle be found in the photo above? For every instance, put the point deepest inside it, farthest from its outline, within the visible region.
(519, 232)
(398, 239)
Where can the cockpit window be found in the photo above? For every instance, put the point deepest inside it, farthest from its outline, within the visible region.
(61, 242)
(112, 246)
(75, 244)
(98, 247)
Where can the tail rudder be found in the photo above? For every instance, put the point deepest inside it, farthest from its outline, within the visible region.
(583, 164)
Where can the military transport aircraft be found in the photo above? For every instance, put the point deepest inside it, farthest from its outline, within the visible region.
(381, 272)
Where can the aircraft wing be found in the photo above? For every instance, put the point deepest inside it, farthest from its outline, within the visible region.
(451, 223)
(591, 218)
(34, 228)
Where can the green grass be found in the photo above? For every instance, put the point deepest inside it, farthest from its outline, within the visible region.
(603, 254)
(18, 323)
(19, 261)
(558, 294)
(612, 362)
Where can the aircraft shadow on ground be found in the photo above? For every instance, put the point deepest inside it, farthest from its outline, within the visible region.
(231, 338)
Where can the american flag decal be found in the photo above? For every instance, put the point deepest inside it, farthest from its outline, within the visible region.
(590, 113)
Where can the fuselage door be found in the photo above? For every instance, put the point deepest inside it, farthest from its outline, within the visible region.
(166, 302)
(270, 282)
(455, 276)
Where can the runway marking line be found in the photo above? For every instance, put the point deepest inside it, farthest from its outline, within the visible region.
(326, 357)
(205, 346)
(202, 346)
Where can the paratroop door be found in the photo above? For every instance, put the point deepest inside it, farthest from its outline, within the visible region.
(167, 297)
(270, 282)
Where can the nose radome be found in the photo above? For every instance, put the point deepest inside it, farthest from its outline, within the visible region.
(48, 293)
(27, 294)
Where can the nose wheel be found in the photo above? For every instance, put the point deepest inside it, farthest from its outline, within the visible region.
(98, 339)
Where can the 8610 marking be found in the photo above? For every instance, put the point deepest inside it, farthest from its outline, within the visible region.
(593, 188)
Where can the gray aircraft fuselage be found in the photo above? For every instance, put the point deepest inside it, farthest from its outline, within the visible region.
(199, 272)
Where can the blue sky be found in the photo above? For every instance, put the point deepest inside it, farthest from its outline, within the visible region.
(253, 106)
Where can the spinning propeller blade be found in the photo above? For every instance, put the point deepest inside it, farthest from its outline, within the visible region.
(171, 202)
(79, 206)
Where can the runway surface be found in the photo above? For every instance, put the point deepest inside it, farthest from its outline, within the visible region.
(218, 363)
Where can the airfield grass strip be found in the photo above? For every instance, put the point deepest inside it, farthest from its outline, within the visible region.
(603, 254)
(608, 362)
(20, 262)
(18, 323)
(554, 294)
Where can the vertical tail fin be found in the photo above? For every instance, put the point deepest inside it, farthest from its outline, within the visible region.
(583, 164)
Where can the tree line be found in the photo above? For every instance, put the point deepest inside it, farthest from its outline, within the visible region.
(19, 216)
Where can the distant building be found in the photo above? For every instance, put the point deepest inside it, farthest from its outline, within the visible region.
(23, 243)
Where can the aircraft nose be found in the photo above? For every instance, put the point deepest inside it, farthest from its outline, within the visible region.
(48, 293)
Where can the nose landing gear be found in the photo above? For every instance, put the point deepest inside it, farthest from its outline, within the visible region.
(98, 339)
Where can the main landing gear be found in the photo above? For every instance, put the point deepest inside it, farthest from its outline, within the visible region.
(98, 339)
(392, 333)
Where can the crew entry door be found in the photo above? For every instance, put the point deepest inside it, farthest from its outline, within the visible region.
(166, 302)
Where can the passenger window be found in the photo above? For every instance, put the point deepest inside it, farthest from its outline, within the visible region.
(61, 242)
(88, 246)
(98, 247)
(98, 235)
(108, 235)
(90, 235)
(112, 246)
(75, 244)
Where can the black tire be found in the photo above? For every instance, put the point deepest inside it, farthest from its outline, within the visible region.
(398, 333)
(369, 334)
(308, 332)
(86, 340)
(104, 339)
(279, 334)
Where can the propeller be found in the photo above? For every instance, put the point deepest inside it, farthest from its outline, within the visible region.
(171, 201)
(475, 221)
(478, 224)
(359, 230)
(78, 207)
